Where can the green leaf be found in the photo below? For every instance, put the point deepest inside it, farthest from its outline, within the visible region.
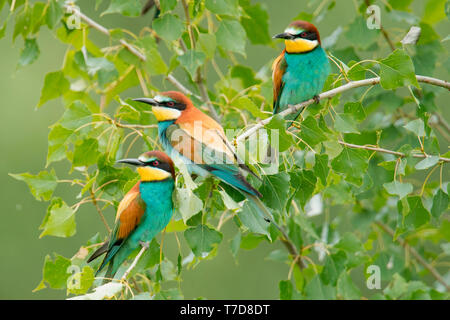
(41, 185)
(245, 103)
(86, 153)
(304, 182)
(188, 203)
(150, 258)
(131, 8)
(202, 239)
(59, 220)
(154, 63)
(54, 13)
(401, 189)
(55, 85)
(350, 243)
(440, 203)
(334, 265)
(345, 123)
(356, 110)
(191, 60)
(168, 27)
(75, 116)
(310, 132)
(417, 215)
(231, 36)
(167, 5)
(397, 70)
(55, 271)
(359, 34)
(286, 289)
(22, 23)
(277, 129)
(434, 11)
(275, 190)
(316, 290)
(251, 241)
(426, 163)
(207, 43)
(256, 25)
(250, 217)
(321, 168)
(397, 287)
(80, 282)
(416, 126)
(346, 288)
(29, 53)
(225, 7)
(57, 143)
(352, 163)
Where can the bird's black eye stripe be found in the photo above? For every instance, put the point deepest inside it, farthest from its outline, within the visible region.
(174, 105)
(309, 35)
(160, 165)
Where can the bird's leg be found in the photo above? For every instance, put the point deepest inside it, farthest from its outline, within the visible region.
(316, 99)
(144, 244)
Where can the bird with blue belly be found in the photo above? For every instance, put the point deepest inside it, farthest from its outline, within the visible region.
(300, 71)
(144, 211)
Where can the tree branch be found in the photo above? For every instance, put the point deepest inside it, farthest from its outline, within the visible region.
(135, 261)
(415, 254)
(331, 93)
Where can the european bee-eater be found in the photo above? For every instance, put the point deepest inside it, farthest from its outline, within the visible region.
(144, 211)
(301, 69)
(200, 142)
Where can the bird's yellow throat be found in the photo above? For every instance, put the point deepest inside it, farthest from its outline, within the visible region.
(300, 45)
(152, 174)
(165, 114)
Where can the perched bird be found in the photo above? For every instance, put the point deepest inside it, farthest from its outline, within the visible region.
(144, 211)
(300, 71)
(199, 141)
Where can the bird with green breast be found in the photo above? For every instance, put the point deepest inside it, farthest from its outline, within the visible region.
(300, 71)
(144, 211)
(193, 137)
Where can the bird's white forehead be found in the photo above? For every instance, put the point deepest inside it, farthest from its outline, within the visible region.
(159, 98)
(292, 30)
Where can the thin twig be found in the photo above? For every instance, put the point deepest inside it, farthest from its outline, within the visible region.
(94, 201)
(396, 153)
(415, 254)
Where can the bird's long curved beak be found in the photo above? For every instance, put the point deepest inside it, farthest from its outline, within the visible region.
(283, 35)
(134, 162)
(149, 101)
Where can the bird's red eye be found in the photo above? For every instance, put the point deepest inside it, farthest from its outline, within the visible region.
(155, 163)
(303, 34)
(170, 103)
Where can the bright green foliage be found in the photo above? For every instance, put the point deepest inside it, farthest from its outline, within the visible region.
(356, 176)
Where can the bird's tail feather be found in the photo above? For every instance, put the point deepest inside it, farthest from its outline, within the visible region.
(109, 272)
(99, 251)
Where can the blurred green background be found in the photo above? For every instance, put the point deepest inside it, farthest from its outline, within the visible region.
(23, 137)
